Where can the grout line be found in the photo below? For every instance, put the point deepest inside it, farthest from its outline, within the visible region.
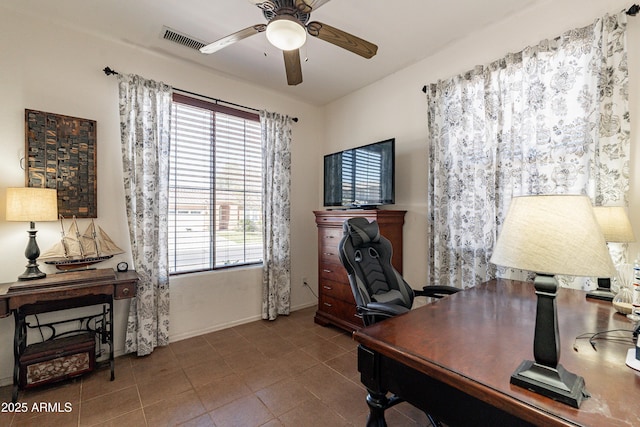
(144, 414)
(80, 401)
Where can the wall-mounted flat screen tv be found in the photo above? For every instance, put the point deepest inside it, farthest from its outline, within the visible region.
(362, 177)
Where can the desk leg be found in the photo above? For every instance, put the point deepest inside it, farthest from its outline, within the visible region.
(378, 403)
(369, 367)
(371, 375)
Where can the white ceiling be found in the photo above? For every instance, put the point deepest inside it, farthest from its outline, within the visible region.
(405, 31)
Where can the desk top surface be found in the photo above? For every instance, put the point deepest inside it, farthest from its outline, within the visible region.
(474, 340)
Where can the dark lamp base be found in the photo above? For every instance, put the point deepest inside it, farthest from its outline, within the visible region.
(31, 273)
(601, 294)
(604, 290)
(32, 253)
(558, 384)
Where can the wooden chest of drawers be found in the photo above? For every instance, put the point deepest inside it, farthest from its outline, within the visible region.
(336, 304)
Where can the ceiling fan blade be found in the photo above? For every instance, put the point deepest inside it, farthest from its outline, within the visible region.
(306, 6)
(340, 38)
(232, 38)
(292, 66)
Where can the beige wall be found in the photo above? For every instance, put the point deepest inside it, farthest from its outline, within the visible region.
(396, 107)
(55, 69)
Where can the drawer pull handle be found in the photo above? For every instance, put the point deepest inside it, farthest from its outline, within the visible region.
(327, 271)
(327, 287)
(125, 291)
(328, 305)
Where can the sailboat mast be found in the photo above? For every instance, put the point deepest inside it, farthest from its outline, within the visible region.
(78, 237)
(94, 236)
(62, 234)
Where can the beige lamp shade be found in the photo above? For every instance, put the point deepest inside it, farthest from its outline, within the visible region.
(614, 222)
(30, 204)
(553, 234)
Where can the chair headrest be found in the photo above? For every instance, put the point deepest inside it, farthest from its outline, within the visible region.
(361, 231)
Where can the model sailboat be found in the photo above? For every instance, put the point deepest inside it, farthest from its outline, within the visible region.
(75, 250)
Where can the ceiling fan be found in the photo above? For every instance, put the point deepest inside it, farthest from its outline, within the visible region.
(287, 27)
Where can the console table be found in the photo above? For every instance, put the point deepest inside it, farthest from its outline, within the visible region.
(454, 358)
(60, 292)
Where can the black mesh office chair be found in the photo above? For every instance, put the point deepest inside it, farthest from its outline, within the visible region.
(379, 290)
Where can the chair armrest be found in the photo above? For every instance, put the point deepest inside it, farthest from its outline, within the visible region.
(381, 309)
(437, 291)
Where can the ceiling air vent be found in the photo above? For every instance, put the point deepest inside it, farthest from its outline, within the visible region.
(181, 38)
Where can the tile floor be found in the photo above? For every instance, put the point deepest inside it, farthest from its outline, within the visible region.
(290, 372)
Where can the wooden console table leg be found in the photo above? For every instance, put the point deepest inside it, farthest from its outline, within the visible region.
(112, 363)
(19, 344)
(16, 357)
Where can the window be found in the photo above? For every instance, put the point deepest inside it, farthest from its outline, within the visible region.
(215, 188)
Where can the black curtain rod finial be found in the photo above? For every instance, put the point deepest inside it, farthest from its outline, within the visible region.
(108, 71)
(633, 10)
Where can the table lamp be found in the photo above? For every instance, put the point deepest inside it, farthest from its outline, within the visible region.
(549, 235)
(32, 204)
(615, 225)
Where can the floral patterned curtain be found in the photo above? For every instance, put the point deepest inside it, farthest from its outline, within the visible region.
(276, 205)
(145, 117)
(552, 119)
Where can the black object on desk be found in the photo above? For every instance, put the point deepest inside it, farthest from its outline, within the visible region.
(603, 291)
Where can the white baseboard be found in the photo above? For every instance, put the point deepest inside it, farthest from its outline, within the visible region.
(219, 327)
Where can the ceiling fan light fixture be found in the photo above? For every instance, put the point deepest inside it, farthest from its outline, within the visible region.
(286, 33)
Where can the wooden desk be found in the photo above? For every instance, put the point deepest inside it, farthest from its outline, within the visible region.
(454, 358)
(60, 292)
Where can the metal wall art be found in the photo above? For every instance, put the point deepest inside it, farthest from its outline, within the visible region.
(60, 153)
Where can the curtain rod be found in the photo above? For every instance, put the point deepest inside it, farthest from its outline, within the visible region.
(632, 11)
(109, 71)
